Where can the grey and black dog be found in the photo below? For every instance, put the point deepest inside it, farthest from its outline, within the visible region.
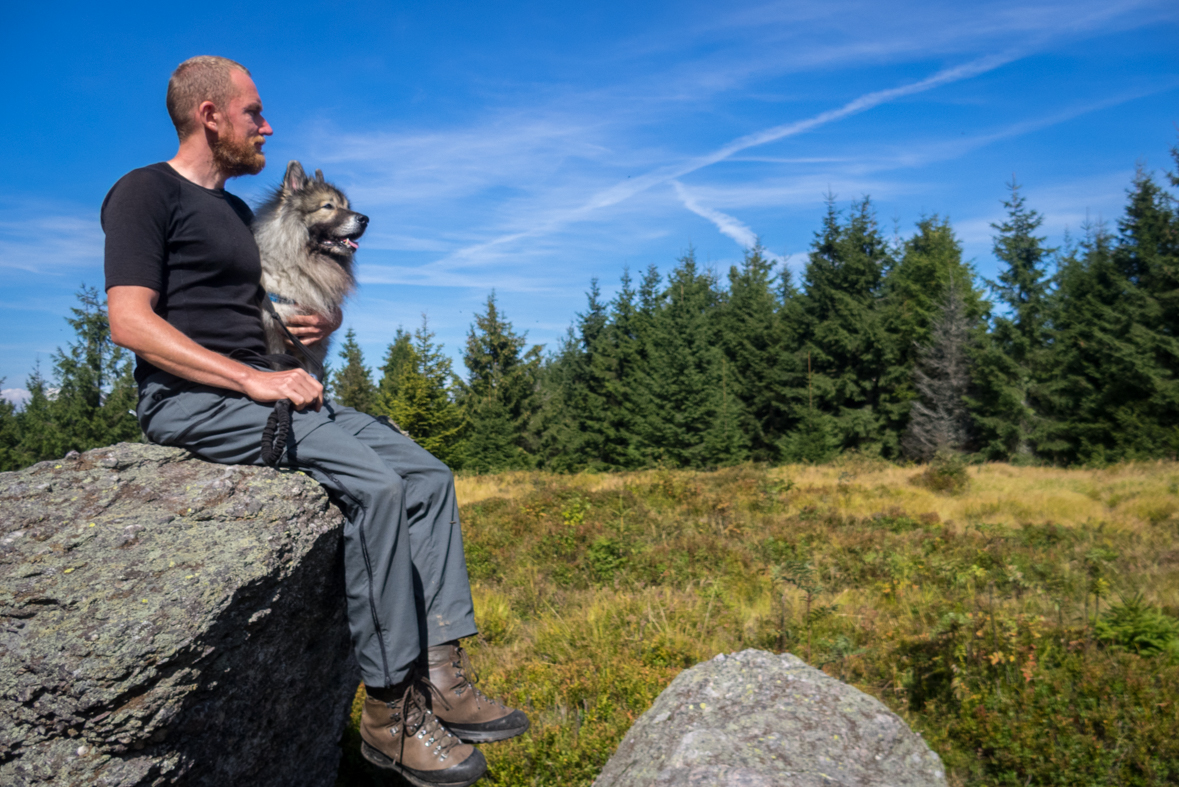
(306, 233)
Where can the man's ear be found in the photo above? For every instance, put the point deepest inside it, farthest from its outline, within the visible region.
(206, 111)
(295, 179)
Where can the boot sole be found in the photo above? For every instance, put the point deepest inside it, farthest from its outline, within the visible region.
(481, 736)
(377, 758)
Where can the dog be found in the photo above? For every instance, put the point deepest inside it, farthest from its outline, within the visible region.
(307, 235)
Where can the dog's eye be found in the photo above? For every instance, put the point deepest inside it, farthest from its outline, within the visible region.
(327, 206)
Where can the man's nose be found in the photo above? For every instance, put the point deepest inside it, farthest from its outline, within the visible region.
(265, 128)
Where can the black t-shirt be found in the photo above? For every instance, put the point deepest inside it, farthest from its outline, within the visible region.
(194, 247)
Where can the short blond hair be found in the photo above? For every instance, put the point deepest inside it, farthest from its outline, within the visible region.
(198, 79)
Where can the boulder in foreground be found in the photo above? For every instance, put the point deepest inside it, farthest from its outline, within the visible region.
(164, 620)
(754, 719)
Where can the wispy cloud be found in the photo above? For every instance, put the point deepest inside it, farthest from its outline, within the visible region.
(625, 190)
(48, 242)
(728, 225)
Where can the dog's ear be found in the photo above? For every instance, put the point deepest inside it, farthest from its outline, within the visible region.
(319, 175)
(295, 178)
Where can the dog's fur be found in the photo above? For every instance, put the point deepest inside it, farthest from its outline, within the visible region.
(306, 232)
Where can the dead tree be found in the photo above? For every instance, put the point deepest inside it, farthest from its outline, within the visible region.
(939, 419)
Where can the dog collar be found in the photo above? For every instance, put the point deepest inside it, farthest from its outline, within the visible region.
(280, 300)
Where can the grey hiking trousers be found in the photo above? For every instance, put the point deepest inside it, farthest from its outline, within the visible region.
(404, 570)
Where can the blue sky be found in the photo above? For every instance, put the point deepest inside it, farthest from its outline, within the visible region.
(529, 147)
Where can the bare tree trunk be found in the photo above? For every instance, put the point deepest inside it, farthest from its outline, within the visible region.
(938, 419)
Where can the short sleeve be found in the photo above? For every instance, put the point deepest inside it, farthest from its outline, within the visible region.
(135, 216)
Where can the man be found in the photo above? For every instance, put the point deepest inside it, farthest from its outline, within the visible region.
(182, 277)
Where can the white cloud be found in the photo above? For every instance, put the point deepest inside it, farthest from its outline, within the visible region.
(18, 396)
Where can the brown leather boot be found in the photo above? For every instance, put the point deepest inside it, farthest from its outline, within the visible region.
(400, 733)
(466, 711)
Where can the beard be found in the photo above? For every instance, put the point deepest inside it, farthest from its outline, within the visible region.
(234, 158)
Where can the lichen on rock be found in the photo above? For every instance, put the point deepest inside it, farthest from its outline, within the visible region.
(754, 719)
(165, 620)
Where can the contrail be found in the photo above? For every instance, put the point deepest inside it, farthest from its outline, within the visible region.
(632, 186)
(728, 225)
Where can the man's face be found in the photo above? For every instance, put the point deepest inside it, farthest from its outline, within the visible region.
(237, 150)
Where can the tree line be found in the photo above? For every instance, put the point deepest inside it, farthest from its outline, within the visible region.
(887, 346)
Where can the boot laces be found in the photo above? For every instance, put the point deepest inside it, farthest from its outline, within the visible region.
(421, 723)
(468, 678)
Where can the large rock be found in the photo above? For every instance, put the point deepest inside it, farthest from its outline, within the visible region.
(754, 719)
(164, 620)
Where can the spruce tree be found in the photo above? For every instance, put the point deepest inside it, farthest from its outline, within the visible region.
(1008, 401)
(96, 393)
(916, 295)
(425, 405)
(500, 395)
(813, 440)
(352, 386)
(840, 326)
(582, 395)
(398, 361)
(39, 435)
(621, 365)
(1115, 385)
(684, 427)
(758, 357)
(9, 436)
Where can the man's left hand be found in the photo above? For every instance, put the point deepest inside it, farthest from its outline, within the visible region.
(313, 328)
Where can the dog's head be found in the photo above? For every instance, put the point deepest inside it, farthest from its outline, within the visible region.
(332, 226)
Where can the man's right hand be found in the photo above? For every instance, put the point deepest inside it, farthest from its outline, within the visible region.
(297, 385)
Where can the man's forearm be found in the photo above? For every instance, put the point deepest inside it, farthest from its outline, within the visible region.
(163, 346)
(136, 326)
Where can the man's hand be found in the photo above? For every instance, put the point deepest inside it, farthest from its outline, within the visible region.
(136, 326)
(301, 388)
(313, 328)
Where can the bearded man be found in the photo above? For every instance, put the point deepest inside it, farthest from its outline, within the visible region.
(183, 292)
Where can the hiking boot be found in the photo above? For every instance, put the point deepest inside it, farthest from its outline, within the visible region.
(401, 734)
(467, 712)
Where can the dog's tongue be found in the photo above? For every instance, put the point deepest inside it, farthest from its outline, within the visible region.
(351, 244)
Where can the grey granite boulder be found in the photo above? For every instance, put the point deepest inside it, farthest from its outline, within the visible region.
(164, 620)
(754, 719)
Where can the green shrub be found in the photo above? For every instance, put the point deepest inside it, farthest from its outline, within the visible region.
(946, 473)
(1139, 628)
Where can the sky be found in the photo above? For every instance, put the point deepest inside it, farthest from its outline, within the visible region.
(528, 148)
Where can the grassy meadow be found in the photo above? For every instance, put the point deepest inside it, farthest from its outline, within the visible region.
(1022, 619)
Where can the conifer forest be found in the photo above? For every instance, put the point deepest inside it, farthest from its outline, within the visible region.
(885, 346)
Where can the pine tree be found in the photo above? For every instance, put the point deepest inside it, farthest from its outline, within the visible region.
(685, 364)
(9, 435)
(352, 386)
(1008, 403)
(1115, 385)
(417, 391)
(916, 292)
(38, 433)
(579, 430)
(619, 366)
(96, 393)
(398, 361)
(812, 441)
(758, 357)
(500, 395)
(840, 326)
(939, 420)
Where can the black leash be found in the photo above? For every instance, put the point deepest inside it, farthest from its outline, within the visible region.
(278, 425)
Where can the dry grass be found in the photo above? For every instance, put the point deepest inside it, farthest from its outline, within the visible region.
(983, 617)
